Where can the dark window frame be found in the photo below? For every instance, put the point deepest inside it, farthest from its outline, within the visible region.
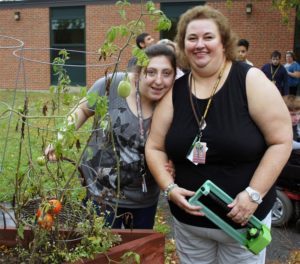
(75, 41)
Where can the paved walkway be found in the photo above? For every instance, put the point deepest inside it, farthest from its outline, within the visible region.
(6, 217)
(284, 240)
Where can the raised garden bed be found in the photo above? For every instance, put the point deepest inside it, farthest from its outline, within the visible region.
(148, 244)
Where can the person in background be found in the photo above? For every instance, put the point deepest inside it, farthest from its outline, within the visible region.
(225, 122)
(242, 51)
(142, 41)
(129, 119)
(293, 70)
(277, 73)
(293, 104)
(172, 45)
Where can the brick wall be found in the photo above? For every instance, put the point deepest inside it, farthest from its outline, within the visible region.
(262, 28)
(33, 30)
(99, 18)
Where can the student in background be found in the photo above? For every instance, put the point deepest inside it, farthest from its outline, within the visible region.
(143, 41)
(276, 72)
(242, 50)
(293, 70)
(293, 104)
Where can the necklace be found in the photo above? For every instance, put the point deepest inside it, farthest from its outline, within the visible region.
(142, 136)
(201, 122)
(197, 152)
(274, 73)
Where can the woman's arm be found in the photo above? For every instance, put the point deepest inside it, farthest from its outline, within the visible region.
(77, 116)
(80, 114)
(295, 74)
(270, 114)
(155, 145)
(295, 70)
(157, 158)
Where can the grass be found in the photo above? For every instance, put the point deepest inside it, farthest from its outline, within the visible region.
(19, 154)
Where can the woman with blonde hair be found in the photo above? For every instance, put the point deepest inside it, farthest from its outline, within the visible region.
(225, 122)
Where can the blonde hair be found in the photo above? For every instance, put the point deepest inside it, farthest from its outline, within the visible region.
(228, 37)
(292, 102)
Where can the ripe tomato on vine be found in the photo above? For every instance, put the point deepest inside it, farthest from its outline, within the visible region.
(55, 206)
(45, 220)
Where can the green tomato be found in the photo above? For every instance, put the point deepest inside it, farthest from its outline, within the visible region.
(41, 161)
(124, 88)
(20, 109)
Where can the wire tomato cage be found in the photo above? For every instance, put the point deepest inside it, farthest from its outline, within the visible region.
(34, 124)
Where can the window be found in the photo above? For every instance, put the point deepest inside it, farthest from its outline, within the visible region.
(68, 32)
(173, 12)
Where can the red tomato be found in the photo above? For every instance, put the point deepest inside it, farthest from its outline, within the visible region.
(39, 213)
(46, 221)
(55, 206)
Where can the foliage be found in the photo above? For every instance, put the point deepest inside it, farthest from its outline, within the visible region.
(130, 29)
(162, 226)
(49, 121)
(284, 7)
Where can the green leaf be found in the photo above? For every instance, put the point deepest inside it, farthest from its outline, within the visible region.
(21, 231)
(163, 24)
(92, 98)
(101, 105)
(150, 6)
(83, 92)
(123, 30)
(119, 3)
(122, 14)
(111, 34)
(52, 89)
(137, 258)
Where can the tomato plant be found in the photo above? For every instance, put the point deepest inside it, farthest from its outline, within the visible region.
(55, 206)
(41, 161)
(124, 88)
(39, 213)
(45, 220)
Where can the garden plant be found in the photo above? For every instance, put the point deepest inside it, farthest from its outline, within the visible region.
(46, 197)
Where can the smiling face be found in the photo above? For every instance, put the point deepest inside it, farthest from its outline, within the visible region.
(202, 45)
(157, 78)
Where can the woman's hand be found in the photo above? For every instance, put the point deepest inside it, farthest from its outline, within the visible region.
(242, 208)
(49, 153)
(178, 196)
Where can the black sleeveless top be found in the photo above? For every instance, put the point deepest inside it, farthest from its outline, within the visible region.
(235, 144)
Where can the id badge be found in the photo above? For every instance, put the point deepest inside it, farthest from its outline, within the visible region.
(197, 153)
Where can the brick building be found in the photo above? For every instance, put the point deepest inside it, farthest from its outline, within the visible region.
(46, 26)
